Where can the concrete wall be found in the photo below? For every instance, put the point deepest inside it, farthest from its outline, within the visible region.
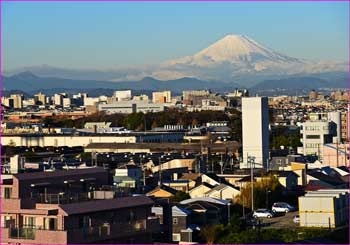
(255, 123)
(61, 140)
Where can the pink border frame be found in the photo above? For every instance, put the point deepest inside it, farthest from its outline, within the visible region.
(348, 136)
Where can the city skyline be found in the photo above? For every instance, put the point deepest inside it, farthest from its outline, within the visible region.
(111, 35)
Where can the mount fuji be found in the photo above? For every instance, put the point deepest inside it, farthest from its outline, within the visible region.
(232, 59)
(237, 58)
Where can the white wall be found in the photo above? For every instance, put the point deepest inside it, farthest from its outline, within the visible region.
(58, 141)
(255, 130)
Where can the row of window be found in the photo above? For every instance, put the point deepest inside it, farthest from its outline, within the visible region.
(313, 136)
(313, 145)
(315, 128)
(30, 221)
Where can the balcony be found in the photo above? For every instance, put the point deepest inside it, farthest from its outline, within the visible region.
(106, 232)
(62, 198)
(22, 233)
(91, 234)
(33, 235)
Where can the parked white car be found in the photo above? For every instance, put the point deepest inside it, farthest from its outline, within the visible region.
(282, 207)
(262, 213)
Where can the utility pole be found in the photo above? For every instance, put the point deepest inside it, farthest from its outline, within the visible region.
(160, 172)
(337, 153)
(345, 154)
(243, 209)
(251, 161)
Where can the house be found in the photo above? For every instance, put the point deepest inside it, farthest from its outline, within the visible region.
(245, 180)
(288, 179)
(200, 190)
(182, 230)
(212, 179)
(191, 177)
(61, 207)
(233, 178)
(317, 180)
(162, 191)
(179, 184)
(341, 173)
(207, 210)
(128, 177)
(300, 169)
(223, 191)
(180, 221)
(175, 163)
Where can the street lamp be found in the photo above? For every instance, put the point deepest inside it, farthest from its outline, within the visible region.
(267, 198)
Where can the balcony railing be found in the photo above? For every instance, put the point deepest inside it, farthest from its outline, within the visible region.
(22, 233)
(84, 234)
(65, 198)
(62, 198)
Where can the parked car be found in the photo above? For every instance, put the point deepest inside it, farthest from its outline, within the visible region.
(282, 207)
(296, 219)
(263, 213)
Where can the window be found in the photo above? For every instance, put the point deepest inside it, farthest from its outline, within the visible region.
(84, 221)
(175, 221)
(313, 136)
(29, 221)
(50, 224)
(5, 221)
(7, 192)
(131, 216)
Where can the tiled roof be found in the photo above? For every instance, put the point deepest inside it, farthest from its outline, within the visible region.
(106, 204)
(58, 173)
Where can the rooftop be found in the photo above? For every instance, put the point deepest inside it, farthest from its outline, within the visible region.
(104, 205)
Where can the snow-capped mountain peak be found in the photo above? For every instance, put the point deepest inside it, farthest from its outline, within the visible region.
(235, 49)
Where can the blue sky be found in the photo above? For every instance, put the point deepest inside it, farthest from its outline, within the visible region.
(110, 34)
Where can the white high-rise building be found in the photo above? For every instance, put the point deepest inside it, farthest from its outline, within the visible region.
(58, 99)
(121, 95)
(255, 130)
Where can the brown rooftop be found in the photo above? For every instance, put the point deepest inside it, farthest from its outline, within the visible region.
(58, 173)
(106, 204)
(156, 147)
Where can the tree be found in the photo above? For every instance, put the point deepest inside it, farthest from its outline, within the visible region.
(180, 196)
(268, 183)
(211, 233)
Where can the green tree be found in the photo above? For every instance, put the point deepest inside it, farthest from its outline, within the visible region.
(180, 196)
(211, 233)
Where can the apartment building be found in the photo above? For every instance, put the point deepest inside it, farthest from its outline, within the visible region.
(161, 97)
(314, 135)
(66, 206)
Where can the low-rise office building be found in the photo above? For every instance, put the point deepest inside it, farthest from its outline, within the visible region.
(128, 107)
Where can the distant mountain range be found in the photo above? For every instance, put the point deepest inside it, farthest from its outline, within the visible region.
(29, 83)
(234, 61)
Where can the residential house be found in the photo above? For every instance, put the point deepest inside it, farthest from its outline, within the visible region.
(317, 180)
(128, 177)
(200, 190)
(179, 184)
(162, 191)
(224, 192)
(207, 210)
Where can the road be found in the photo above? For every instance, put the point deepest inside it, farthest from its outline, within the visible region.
(280, 221)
